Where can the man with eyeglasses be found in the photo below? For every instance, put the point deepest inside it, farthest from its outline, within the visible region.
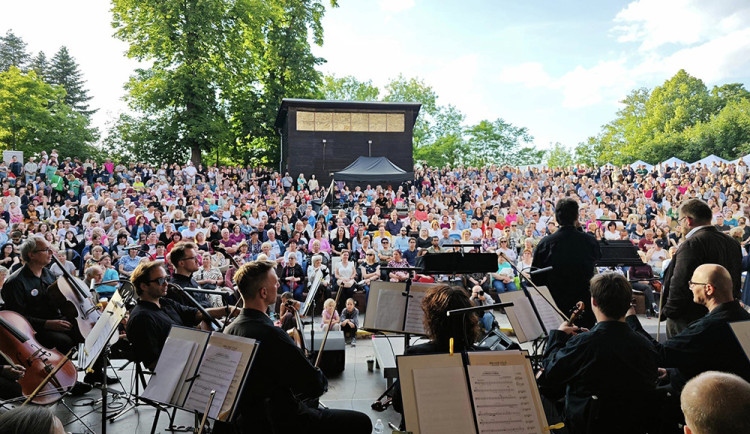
(703, 244)
(184, 258)
(27, 292)
(155, 314)
(708, 344)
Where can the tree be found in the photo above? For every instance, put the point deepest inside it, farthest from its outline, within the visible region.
(40, 65)
(219, 70)
(559, 156)
(348, 88)
(13, 52)
(64, 72)
(34, 117)
(402, 89)
(499, 142)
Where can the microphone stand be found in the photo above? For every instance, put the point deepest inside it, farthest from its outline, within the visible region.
(206, 316)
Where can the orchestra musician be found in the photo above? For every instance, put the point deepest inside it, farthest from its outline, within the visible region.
(572, 255)
(610, 361)
(9, 376)
(184, 258)
(281, 375)
(154, 315)
(440, 328)
(27, 293)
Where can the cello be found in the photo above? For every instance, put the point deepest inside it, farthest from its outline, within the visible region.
(18, 345)
(74, 300)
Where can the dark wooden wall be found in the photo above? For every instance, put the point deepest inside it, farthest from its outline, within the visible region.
(304, 152)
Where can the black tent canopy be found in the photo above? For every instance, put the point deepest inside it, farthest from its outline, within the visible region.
(373, 169)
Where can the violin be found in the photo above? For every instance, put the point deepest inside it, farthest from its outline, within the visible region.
(576, 312)
(18, 345)
(74, 300)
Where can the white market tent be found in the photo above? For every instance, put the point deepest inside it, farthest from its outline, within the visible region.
(635, 165)
(671, 162)
(710, 159)
(746, 159)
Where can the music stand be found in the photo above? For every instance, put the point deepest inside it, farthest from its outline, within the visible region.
(309, 305)
(618, 253)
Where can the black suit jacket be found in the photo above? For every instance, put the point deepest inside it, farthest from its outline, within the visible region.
(572, 254)
(705, 246)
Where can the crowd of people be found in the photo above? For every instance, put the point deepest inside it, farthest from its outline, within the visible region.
(115, 220)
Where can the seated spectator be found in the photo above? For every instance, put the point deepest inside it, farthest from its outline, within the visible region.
(370, 271)
(330, 318)
(481, 298)
(317, 267)
(346, 275)
(350, 322)
(504, 278)
(292, 278)
(398, 262)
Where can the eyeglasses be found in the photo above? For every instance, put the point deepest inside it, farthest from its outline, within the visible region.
(370, 254)
(691, 283)
(160, 280)
(189, 259)
(47, 250)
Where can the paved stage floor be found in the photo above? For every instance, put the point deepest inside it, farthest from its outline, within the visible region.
(355, 388)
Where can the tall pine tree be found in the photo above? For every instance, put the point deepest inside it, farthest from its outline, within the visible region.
(64, 72)
(40, 65)
(13, 52)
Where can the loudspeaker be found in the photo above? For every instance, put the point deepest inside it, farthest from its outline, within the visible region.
(334, 357)
(496, 340)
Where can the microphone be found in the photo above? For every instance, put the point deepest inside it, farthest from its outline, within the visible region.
(540, 271)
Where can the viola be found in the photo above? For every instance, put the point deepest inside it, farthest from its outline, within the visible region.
(74, 300)
(17, 343)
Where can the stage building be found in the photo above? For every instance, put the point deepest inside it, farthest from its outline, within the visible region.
(323, 137)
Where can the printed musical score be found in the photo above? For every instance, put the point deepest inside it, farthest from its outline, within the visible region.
(443, 402)
(502, 397)
(217, 371)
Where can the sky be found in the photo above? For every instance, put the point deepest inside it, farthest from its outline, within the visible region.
(558, 68)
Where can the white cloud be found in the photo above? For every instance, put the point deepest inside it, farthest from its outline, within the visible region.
(530, 74)
(584, 87)
(395, 6)
(656, 23)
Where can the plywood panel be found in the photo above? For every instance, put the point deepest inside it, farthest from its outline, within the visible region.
(395, 122)
(360, 122)
(342, 122)
(378, 122)
(306, 121)
(323, 121)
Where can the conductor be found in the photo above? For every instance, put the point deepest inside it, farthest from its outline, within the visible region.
(571, 254)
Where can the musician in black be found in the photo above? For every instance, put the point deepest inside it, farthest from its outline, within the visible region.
(610, 361)
(281, 375)
(184, 258)
(27, 292)
(572, 255)
(154, 315)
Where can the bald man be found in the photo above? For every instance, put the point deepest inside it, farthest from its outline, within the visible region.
(716, 403)
(709, 343)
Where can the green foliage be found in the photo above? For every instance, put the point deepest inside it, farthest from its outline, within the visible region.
(64, 72)
(34, 117)
(559, 156)
(348, 88)
(681, 118)
(402, 89)
(40, 65)
(13, 52)
(498, 142)
(219, 71)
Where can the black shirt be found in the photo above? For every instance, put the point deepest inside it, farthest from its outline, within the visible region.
(28, 295)
(610, 361)
(280, 374)
(187, 282)
(149, 325)
(708, 344)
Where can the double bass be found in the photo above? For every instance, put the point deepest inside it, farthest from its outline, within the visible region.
(74, 300)
(44, 367)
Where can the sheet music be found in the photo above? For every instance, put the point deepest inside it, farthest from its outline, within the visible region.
(503, 399)
(443, 403)
(100, 333)
(415, 314)
(216, 373)
(550, 318)
(741, 330)
(244, 346)
(169, 370)
(180, 392)
(200, 338)
(521, 316)
(390, 313)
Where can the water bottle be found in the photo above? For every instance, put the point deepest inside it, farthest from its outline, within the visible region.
(378, 427)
